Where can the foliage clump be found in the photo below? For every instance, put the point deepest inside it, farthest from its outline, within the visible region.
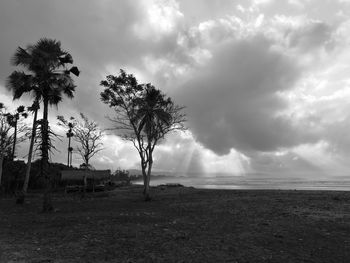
(143, 115)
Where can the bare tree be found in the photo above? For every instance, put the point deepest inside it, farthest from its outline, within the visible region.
(87, 134)
(144, 115)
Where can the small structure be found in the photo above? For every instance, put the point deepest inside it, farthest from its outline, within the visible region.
(74, 179)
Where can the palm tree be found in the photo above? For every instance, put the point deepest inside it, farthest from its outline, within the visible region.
(70, 125)
(152, 111)
(34, 108)
(47, 78)
(151, 116)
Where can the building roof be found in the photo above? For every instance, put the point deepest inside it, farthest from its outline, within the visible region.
(79, 174)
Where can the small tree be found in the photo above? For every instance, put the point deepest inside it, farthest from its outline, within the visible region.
(86, 133)
(69, 125)
(11, 133)
(13, 120)
(6, 139)
(144, 115)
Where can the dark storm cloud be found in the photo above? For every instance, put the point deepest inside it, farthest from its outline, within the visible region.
(96, 33)
(89, 30)
(233, 102)
(233, 74)
(310, 36)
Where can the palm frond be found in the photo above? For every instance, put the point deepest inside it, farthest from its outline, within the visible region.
(75, 71)
(47, 53)
(66, 59)
(55, 96)
(19, 83)
(21, 57)
(69, 91)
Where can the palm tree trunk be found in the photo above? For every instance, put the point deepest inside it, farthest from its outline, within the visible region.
(145, 186)
(21, 197)
(147, 179)
(92, 178)
(14, 141)
(1, 163)
(47, 202)
(85, 183)
(68, 158)
(71, 155)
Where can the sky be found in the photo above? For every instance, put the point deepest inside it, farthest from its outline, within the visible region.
(265, 83)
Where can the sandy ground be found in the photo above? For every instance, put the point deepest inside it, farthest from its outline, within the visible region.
(179, 225)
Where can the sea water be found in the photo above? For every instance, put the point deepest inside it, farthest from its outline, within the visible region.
(247, 182)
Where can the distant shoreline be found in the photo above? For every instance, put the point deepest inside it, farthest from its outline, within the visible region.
(241, 183)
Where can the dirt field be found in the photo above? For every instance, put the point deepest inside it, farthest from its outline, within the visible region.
(179, 225)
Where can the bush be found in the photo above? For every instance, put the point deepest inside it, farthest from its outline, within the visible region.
(14, 173)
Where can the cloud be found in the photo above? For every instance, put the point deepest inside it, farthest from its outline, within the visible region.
(285, 164)
(309, 35)
(182, 155)
(258, 78)
(104, 33)
(300, 35)
(163, 18)
(297, 3)
(262, 2)
(232, 101)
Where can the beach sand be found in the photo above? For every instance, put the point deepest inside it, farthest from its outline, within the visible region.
(179, 225)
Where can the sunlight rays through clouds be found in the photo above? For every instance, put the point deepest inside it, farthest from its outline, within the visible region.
(265, 83)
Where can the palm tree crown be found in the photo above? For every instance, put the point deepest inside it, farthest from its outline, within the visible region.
(153, 112)
(46, 73)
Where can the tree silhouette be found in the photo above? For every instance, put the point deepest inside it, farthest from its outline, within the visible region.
(144, 115)
(6, 140)
(34, 108)
(13, 120)
(10, 128)
(86, 133)
(47, 78)
(69, 125)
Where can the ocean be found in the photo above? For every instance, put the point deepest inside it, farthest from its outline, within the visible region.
(246, 182)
